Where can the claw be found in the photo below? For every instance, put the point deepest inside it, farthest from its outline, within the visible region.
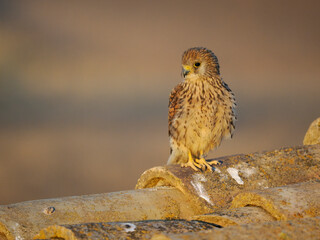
(200, 163)
(191, 163)
(203, 163)
(214, 162)
(206, 164)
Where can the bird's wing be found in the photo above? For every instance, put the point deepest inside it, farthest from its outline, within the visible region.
(174, 105)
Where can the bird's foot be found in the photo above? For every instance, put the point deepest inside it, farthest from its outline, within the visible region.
(207, 164)
(214, 162)
(192, 164)
(204, 164)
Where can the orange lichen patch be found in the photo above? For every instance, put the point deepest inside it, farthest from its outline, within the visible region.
(5, 233)
(172, 209)
(262, 171)
(284, 236)
(291, 161)
(312, 211)
(283, 202)
(55, 231)
(298, 215)
(314, 173)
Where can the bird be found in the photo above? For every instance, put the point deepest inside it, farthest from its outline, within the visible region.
(202, 111)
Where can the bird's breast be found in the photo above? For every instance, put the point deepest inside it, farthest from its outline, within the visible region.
(203, 119)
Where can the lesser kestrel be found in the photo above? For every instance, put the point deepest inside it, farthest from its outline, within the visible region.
(201, 110)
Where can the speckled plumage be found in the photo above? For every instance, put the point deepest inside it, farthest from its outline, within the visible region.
(201, 110)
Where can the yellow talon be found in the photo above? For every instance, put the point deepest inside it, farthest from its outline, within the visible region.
(191, 163)
(200, 163)
(204, 164)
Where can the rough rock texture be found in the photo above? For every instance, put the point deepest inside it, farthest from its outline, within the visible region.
(24, 220)
(305, 228)
(122, 230)
(246, 194)
(208, 191)
(313, 134)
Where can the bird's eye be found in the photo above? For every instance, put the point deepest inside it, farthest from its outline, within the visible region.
(196, 64)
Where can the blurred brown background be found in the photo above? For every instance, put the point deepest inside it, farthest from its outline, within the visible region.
(84, 85)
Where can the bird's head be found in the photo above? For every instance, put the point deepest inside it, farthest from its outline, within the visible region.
(198, 63)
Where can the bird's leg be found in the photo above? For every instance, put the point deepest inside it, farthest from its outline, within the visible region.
(203, 163)
(191, 163)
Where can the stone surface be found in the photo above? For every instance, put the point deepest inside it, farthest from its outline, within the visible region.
(313, 134)
(261, 187)
(236, 216)
(24, 220)
(297, 229)
(122, 230)
(286, 202)
(210, 191)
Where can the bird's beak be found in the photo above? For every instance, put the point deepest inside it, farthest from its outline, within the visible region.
(185, 70)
